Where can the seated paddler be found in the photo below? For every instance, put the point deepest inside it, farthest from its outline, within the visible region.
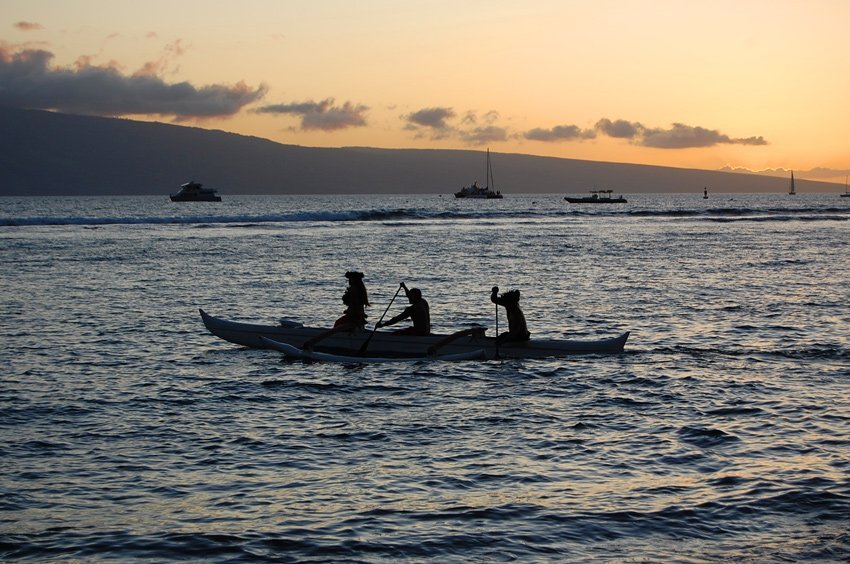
(418, 312)
(356, 300)
(517, 327)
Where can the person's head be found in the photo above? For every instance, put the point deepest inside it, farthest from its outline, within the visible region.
(511, 297)
(354, 276)
(414, 295)
(355, 280)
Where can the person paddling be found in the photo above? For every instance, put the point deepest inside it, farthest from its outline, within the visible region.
(517, 327)
(418, 312)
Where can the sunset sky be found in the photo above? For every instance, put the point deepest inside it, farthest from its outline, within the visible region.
(758, 84)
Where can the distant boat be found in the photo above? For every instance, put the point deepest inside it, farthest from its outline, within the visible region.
(476, 191)
(846, 193)
(705, 193)
(597, 197)
(792, 190)
(195, 192)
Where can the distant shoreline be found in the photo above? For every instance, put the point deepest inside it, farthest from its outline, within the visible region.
(52, 154)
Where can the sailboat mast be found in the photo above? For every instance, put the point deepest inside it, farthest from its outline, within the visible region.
(490, 182)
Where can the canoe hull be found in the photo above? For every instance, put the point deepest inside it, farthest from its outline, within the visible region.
(387, 345)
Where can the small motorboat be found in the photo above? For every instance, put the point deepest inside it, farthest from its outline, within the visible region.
(597, 197)
(195, 192)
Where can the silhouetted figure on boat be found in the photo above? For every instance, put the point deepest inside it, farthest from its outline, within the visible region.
(517, 327)
(418, 312)
(356, 300)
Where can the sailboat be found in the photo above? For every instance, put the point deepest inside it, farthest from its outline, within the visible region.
(476, 191)
(846, 193)
(792, 191)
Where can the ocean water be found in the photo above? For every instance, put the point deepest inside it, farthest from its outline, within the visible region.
(127, 432)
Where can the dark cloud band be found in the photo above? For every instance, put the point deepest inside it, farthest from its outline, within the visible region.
(678, 136)
(30, 82)
(324, 115)
(435, 123)
(431, 117)
(560, 133)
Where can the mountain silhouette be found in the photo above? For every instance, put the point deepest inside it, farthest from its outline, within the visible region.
(47, 153)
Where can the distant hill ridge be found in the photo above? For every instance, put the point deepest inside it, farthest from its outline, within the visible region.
(46, 153)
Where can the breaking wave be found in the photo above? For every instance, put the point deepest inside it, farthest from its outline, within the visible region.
(295, 217)
(721, 214)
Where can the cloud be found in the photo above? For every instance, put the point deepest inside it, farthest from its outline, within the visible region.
(470, 118)
(817, 173)
(435, 123)
(28, 26)
(678, 136)
(681, 136)
(491, 117)
(431, 122)
(484, 135)
(434, 118)
(324, 115)
(29, 81)
(171, 52)
(821, 172)
(621, 129)
(559, 133)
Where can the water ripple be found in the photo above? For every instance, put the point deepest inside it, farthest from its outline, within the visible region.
(127, 432)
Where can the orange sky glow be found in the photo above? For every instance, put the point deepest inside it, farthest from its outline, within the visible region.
(756, 84)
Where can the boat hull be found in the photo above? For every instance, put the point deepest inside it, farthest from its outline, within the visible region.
(195, 192)
(176, 198)
(619, 200)
(479, 197)
(386, 344)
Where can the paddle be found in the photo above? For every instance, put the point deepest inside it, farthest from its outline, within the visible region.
(497, 330)
(493, 293)
(365, 344)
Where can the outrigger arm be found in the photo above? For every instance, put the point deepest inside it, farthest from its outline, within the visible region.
(477, 331)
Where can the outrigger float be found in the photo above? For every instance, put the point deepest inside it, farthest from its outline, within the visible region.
(365, 345)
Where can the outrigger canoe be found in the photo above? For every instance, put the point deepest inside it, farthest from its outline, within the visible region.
(385, 344)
